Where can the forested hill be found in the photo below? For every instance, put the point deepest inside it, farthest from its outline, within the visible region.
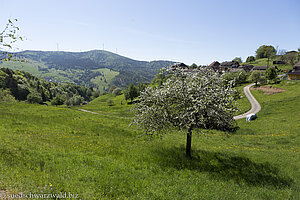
(22, 86)
(97, 68)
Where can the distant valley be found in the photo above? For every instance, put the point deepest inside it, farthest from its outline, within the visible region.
(94, 69)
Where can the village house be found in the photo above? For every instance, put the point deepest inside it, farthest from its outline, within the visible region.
(225, 66)
(278, 62)
(259, 68)
(295, 74)
(215, 65)
(296, 67)
(247, 68)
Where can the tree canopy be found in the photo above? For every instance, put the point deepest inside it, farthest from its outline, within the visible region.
(255, 77)
(237, 59)
(188, 101)
(250, 59)
(271, 74)
(131, 92)
(265, 51)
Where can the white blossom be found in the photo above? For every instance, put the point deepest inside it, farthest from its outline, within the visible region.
(187, 100)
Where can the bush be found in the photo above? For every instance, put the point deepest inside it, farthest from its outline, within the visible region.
(95, 94)
(238, 77)
(110, 102)
(34, 98)
(255, 77)
(262, 80)
(74, 101)
(5, 95)
(57, 101)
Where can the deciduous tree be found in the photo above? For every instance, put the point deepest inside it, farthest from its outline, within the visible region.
(188, 101)
(265, 51)
(250, 59)
(271, 74)
(255, 77)
(237, 59)
(131, 92)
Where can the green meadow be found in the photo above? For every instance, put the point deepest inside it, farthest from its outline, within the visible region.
(48, 149)
(104, 81)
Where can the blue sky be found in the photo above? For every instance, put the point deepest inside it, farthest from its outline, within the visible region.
(189, 31)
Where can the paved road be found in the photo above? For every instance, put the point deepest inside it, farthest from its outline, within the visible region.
(255, 106)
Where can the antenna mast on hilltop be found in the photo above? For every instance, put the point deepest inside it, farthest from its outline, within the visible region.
(57, 46)
(103, 46)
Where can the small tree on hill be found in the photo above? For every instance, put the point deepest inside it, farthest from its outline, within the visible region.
(290, 57)
(194, 66)
(237, 59)
(250, 59)
(266, 51)
(188, 101)
(271, 74)
(131, 92)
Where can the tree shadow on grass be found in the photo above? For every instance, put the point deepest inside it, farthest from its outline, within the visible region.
(244, 131)
(224, 166)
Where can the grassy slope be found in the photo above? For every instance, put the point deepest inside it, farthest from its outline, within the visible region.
(59, 75)
(100, 156)
(264, 62)
(108, 74)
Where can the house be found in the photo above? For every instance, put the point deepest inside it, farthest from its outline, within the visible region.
(247, 68)
(215, 65)
(225, 66)
(235, 69)
(259, 68)
(278, 62)
(295, 74)
(179, 65)
(296, 67)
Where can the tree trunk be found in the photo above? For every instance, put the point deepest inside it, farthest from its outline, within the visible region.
(189, 142)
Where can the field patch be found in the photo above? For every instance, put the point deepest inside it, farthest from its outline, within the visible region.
(268, 90)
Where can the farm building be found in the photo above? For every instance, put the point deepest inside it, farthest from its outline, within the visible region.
(296, 67)
(225, 66)
(279, 62)
(259, 68)
(295, 74)
(247, 68)
(215, 65)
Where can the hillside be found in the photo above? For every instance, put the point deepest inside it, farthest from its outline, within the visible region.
(98, 69)
(264, 62)
(22, 86)
(51, 149)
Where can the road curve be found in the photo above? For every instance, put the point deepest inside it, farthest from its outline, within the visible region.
(255, 106)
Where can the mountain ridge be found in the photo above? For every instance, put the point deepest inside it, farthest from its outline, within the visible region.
(87, 68)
